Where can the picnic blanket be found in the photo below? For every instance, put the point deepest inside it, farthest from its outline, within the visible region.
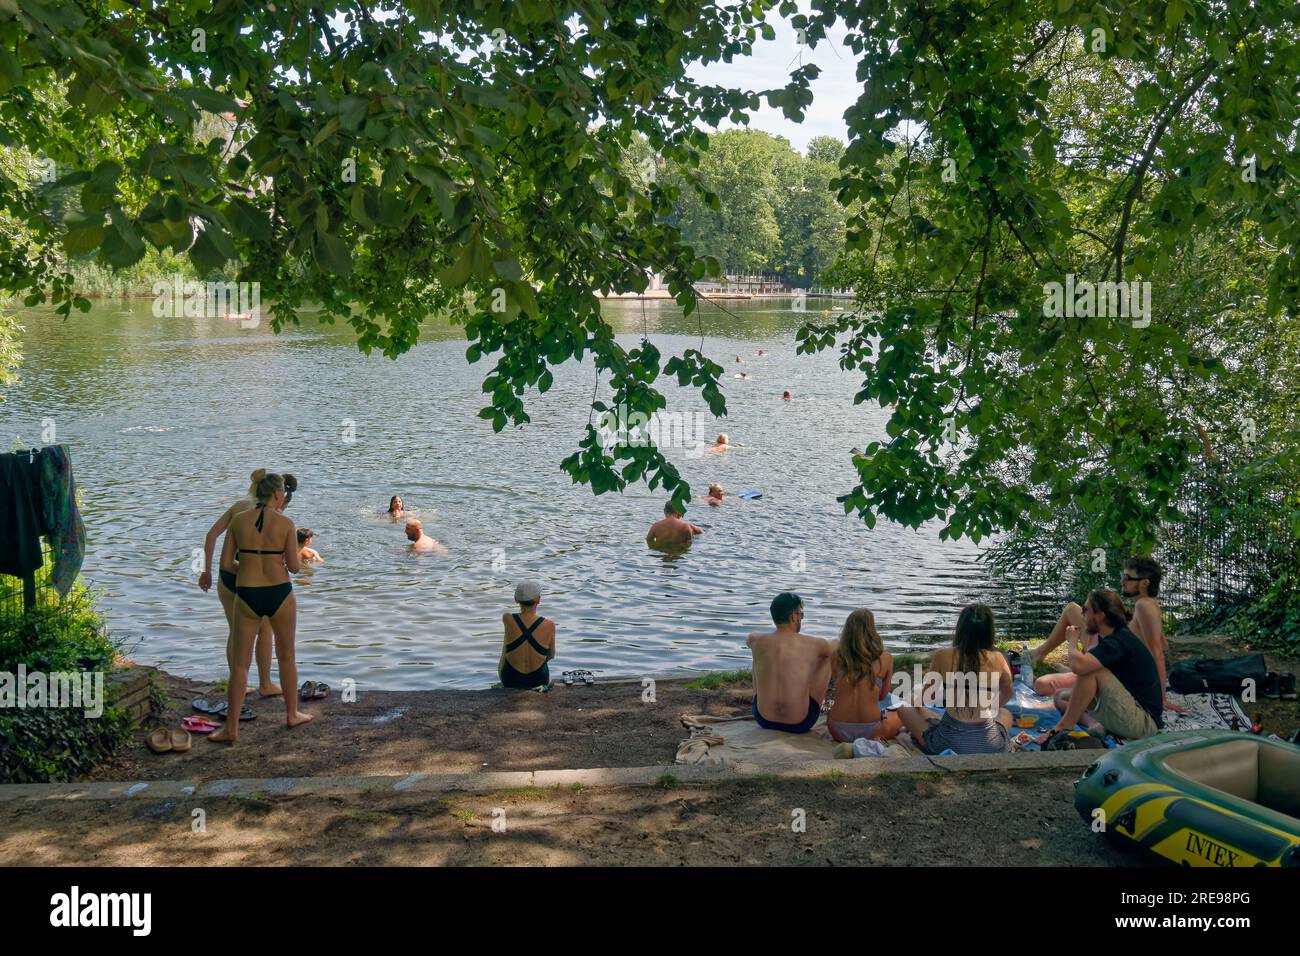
(726, 741)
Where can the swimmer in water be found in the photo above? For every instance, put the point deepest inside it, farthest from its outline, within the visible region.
(760, 351)
(740, 360)
(722, 444)
(715, 495)
(671, 530)
(306, 554)
(786, 396)
(421, 541)
(395, 509)
(741, 375)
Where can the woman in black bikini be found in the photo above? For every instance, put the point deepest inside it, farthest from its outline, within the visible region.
(226, 578)
(529, 642)
(267, 546)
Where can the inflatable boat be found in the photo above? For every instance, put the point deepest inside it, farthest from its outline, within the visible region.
(1199, 798)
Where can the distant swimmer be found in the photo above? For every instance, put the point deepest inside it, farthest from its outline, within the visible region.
(671, 529)
(786, 396)
(307, 554)
(722, 444)
(715, 495)
(421, 541)
(741, 375)
(760, 351)
(395, 509)
(740, 360)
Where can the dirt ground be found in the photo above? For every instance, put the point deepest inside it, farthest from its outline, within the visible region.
(440, 731)
(935, 819)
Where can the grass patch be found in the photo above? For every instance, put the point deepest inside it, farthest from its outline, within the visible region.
(465, 816)
(578, 787)
(836, 774)
(667, 782)
(908, 661)
(716, 679)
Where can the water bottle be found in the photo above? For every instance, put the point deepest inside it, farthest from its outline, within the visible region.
(1026, 667)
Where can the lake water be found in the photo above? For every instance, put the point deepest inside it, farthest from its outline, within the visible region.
(166, 418)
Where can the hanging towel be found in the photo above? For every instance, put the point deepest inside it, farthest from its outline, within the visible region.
(21, 521)
(62, 520)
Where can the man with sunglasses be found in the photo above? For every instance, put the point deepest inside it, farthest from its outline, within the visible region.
(1139, 583)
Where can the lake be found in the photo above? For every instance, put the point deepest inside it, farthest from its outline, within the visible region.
(167, 417)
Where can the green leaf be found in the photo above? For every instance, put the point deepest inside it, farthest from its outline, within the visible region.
(332, 254)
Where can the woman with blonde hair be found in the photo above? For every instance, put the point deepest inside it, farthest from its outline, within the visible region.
(267, 545)
(861, 669)
(226, 570)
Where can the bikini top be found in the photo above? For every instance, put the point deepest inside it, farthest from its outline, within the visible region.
(258, 524)
(526, 634)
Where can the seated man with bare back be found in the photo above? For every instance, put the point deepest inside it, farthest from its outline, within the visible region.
(791, 670)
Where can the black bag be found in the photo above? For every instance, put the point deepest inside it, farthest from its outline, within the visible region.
(1218, 676)
(1064, 740)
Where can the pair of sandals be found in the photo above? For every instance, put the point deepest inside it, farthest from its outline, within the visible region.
(166, 740)
(313, 690)
(219, 708)
(578, 677)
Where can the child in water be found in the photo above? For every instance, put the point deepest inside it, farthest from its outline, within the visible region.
(305, 553)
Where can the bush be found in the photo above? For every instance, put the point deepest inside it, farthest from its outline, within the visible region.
(1271, 620)
(52, 744)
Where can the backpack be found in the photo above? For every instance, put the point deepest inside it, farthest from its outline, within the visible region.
(1210, 675)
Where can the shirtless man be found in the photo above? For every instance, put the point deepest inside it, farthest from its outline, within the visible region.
(671, 530)
(1140, 583)
(791, 670)
(421, 541)
(715, 495)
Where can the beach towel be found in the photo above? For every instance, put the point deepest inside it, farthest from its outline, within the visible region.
(726, 741)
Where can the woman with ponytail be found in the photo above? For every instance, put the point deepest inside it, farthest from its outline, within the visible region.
(266, 543)
(226, 581)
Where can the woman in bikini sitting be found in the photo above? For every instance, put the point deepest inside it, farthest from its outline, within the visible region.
(226, 578)
(861, 669)
(529, 642)
(975, 681)
(267, 545)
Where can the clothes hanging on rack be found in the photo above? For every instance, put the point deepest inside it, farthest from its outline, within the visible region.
(60, 516)
(22, 520)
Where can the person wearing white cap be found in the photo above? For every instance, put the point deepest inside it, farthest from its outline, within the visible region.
(529, 641)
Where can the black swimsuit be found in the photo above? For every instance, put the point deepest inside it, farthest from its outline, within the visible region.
(513, 678)
(264, 601)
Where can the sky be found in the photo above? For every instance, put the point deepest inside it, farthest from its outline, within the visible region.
(834, 91)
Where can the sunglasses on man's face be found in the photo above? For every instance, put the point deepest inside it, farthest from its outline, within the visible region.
(1128, 577)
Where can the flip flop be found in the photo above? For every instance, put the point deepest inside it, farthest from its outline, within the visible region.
(199, 725)
(160, 741)
(578, 677)
(180, 740)
(245, 712)
(205, 706)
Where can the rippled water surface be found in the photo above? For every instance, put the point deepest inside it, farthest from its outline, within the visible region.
(166, 418)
